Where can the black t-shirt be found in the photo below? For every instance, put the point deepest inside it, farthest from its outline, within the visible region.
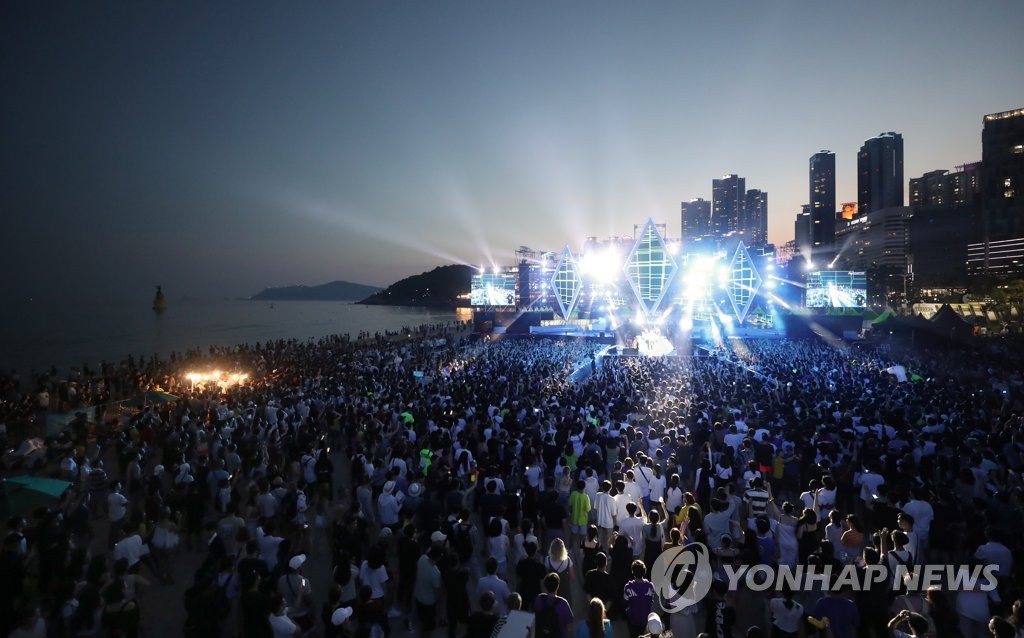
(481, 623)
(599, 584)
(553, 511)
(254, 614)
(530, 573)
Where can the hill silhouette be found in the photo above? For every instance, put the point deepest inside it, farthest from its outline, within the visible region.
(437, 288)
(333, 291)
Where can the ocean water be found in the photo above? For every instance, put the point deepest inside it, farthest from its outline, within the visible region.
(37, 335)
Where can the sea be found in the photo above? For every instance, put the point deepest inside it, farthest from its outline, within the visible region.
(35, 336)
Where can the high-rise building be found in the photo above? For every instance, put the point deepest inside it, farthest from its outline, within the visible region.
(946, 213)
(755, 217)
(802, 230)
(1002, 191)
(823, 200)
(695, 219)
(880, 173)
(880, 238)
(727, 199)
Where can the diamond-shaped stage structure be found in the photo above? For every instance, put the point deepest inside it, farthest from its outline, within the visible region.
(566, 283)
(744, 282)
(649, 268)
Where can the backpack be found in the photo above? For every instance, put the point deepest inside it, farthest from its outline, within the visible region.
(290, 506)
(547, 623)
(463, 541)
(323, 467)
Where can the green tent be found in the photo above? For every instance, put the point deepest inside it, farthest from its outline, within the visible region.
(884, 316)
(153, 397)
(20, 495)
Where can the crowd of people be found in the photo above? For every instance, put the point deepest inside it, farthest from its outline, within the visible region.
(453, 481)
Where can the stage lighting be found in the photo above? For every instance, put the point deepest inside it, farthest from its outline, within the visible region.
(605, 267)
(723, 276)
(771, 283)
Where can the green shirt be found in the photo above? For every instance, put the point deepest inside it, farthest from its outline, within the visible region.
(579, 508)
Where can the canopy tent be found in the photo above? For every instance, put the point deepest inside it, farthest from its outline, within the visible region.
(20, 495)
(948, 322)
(154, 397)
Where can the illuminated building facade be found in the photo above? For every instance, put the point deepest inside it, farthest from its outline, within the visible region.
(695, 217)
(755, 216)
(727, 199)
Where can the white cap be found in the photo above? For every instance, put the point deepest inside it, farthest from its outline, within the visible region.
(438, 537)
(654, 625)
(297, 561)
(389, 487)
(340, 615)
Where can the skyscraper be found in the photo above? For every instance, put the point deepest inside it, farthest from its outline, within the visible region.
(880, 173)
(695, 218)
(945, 207)
(802, 230)
(727, 195)
(823, 200)
(1002, 192)
(755, 217)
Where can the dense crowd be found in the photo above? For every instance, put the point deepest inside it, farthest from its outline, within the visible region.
(456, 481)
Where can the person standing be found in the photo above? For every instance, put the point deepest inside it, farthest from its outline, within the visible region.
(638, 596)
(605, 508)
(117, 513)
(428, 589)
(579, 514)
(553, 613)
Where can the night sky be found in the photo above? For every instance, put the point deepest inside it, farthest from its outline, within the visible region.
(220, 147)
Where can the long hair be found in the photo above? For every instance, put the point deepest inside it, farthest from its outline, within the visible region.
(557, 550)
(595, 618)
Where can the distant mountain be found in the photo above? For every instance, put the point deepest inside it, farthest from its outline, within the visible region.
(438, 288)
(334, 291)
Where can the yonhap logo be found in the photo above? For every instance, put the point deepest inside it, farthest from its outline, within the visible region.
(682, 576)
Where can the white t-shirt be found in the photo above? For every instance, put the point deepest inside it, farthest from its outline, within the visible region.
(786, 619)
(117, 506)
(283, 626)
(131, 549)
(374, 579)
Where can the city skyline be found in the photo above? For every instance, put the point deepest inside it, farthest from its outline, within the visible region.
(217, 150)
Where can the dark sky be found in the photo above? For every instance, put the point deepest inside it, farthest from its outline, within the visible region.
(219, 147)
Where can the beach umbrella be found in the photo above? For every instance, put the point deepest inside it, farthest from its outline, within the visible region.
(20, 495)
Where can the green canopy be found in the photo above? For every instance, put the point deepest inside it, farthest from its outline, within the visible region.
(884, 316)
(22, 494)
(154, 396)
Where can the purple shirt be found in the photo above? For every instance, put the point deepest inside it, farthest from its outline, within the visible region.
(842, 615)
(639, 597)
(561, 608)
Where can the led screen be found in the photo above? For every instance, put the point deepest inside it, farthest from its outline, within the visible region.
(837, 289)
(493, 290)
